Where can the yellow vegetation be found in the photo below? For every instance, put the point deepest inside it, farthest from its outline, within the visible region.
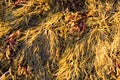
(51, 47)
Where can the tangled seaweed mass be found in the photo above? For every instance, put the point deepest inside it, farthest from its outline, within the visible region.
(59, 39)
